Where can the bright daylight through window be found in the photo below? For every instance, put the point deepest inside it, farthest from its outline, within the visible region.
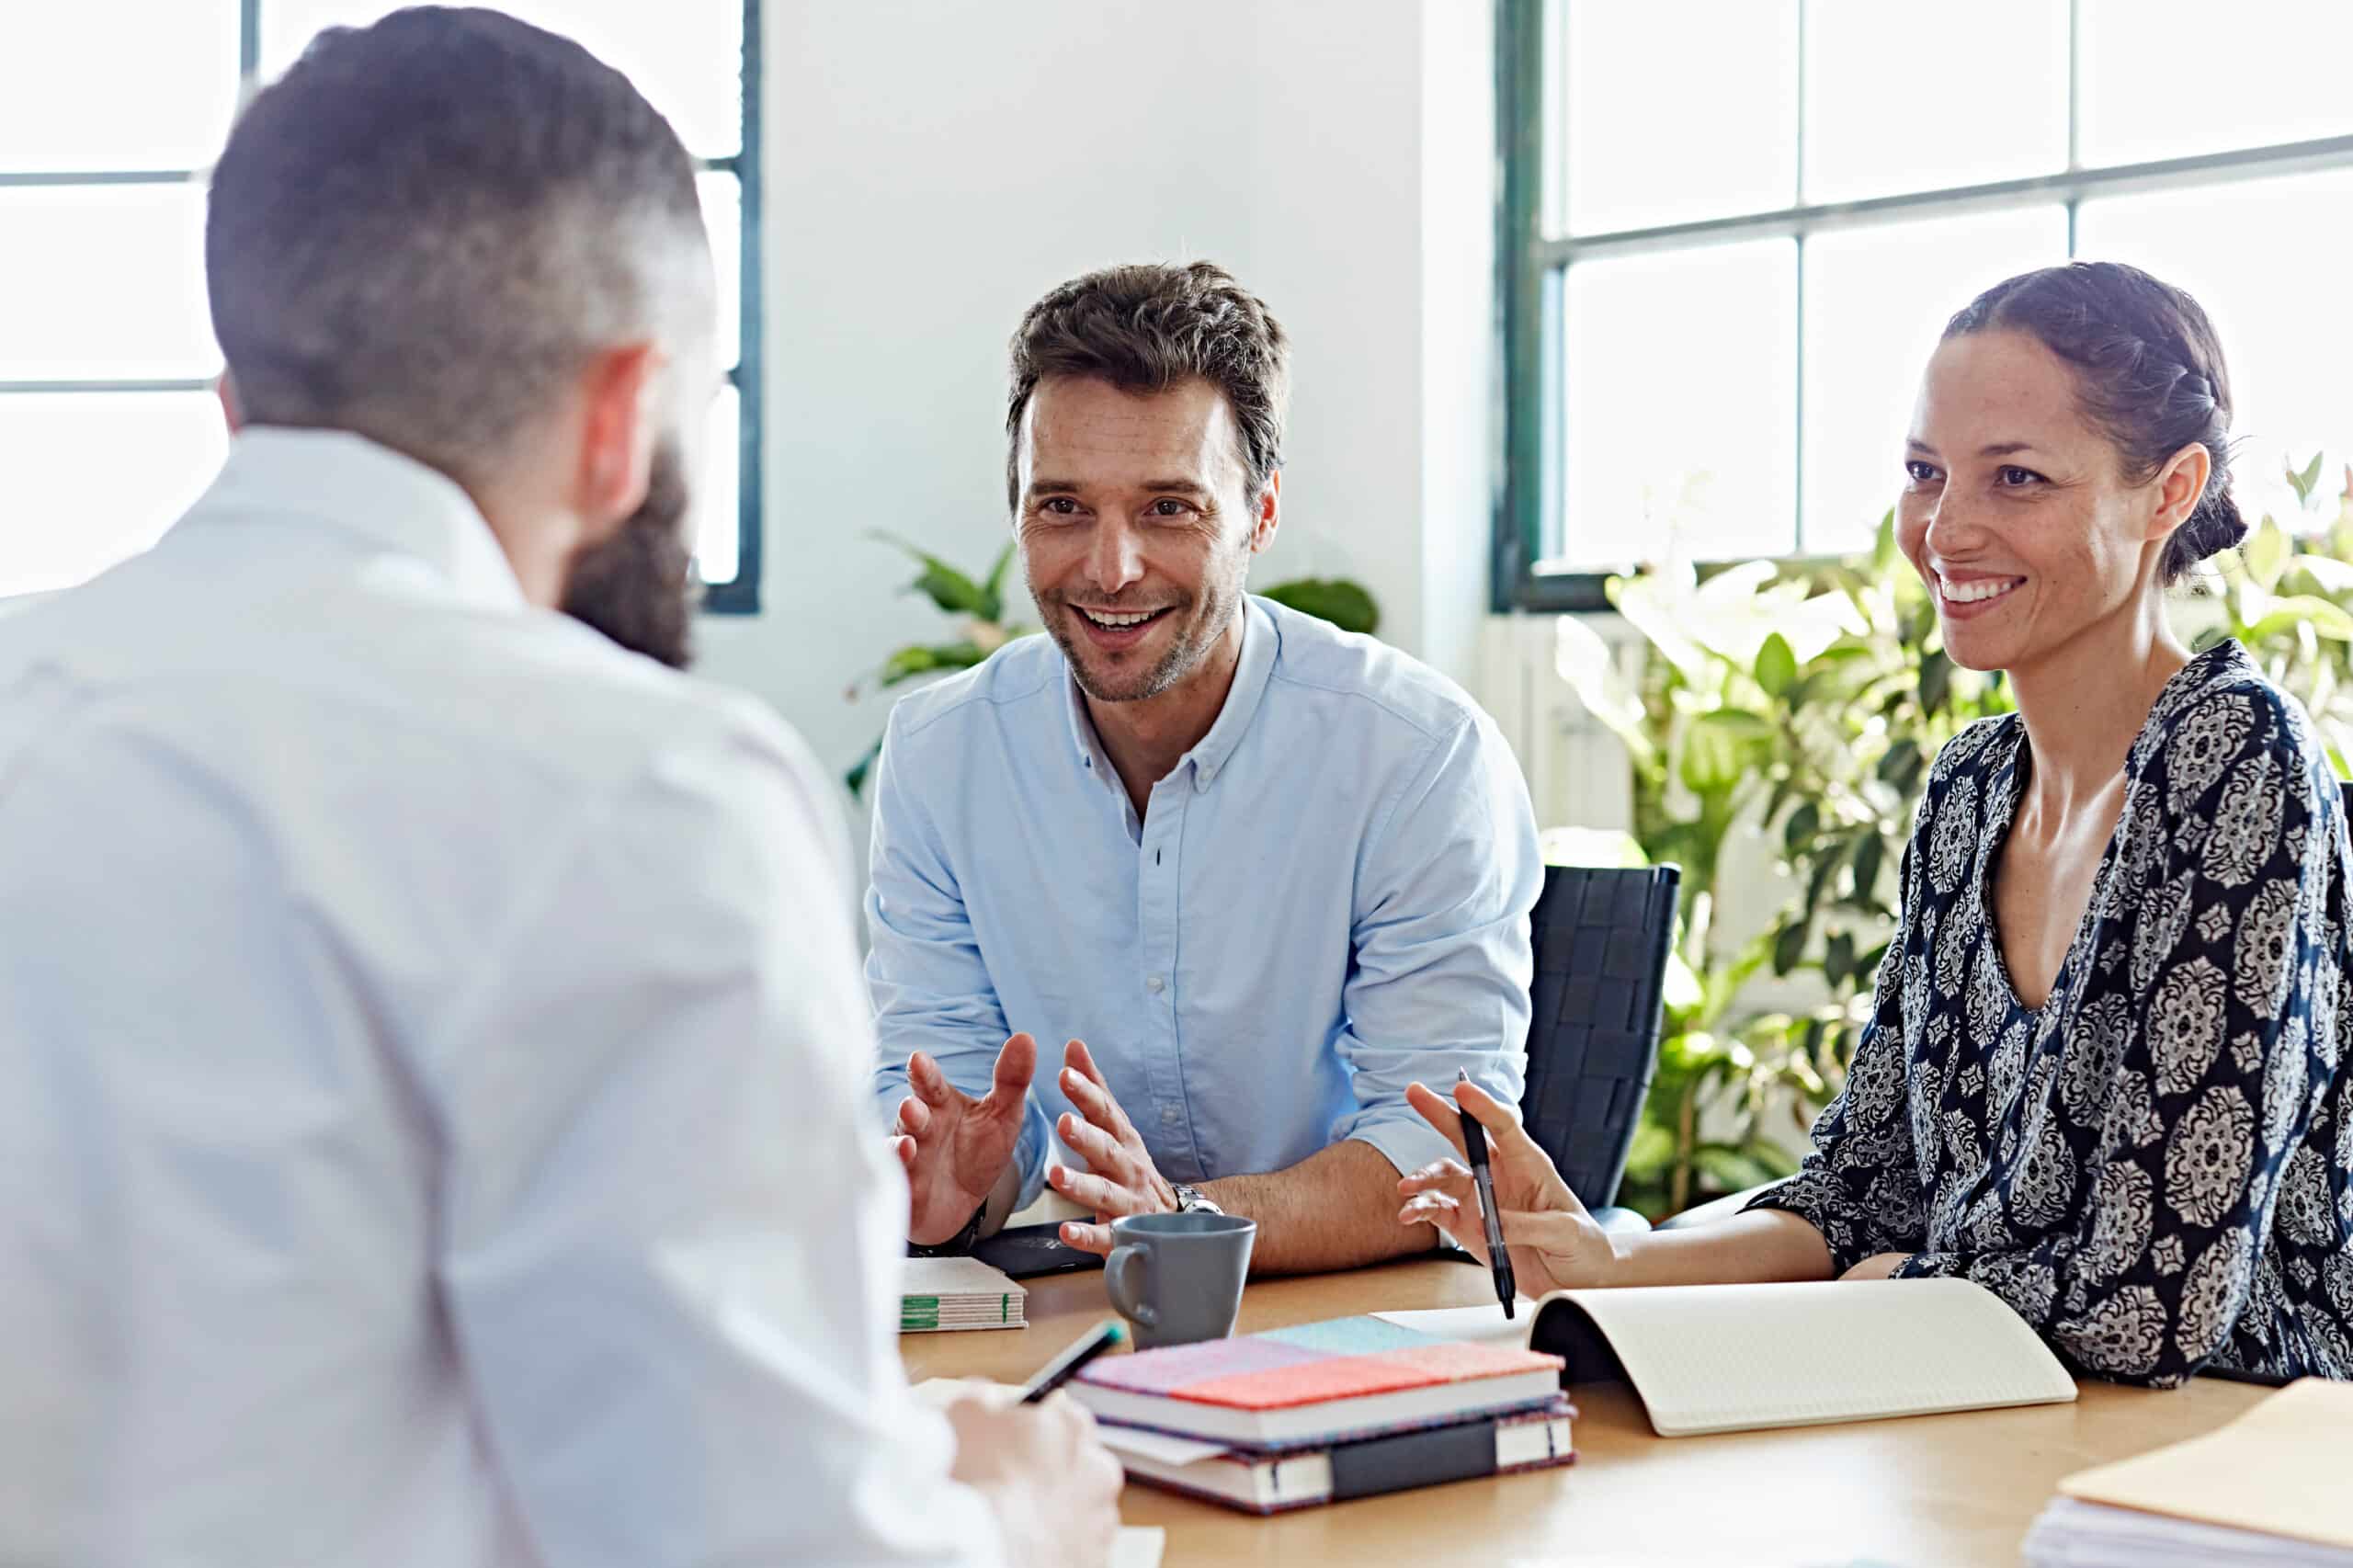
(109, 426)
(1747, 220)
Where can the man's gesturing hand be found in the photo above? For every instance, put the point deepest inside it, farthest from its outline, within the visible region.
(954, 1147)
(1120, 1178)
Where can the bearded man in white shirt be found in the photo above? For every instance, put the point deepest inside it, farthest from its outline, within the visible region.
(430, 1036)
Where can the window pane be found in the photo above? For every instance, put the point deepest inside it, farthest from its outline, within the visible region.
(1898, 96)
(93, 477)
(116, 83)
(715, 494)
(2266, 260)
(114, 288)
(1678, 109)
(1876, 302)
(1681, 404)
(2166, 78)
(686, 56)
(722, 214)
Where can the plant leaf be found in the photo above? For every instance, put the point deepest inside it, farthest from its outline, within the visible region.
(949, 589)
(1789, 946)
(1838, 957)
(2266, 553)
(2306, 482)
(1777, 666)
(1869, 857)
(1344, 603)
(1581, 658)
(919, 659)
(860, 770)
(992, 591)
(1935, 681)
(1803, 823)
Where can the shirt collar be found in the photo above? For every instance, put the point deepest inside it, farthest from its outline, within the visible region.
(347, 481)
(1256, 667)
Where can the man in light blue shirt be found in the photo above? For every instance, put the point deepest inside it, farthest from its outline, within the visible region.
(1268, 872)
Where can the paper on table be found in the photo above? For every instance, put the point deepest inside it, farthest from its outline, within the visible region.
(941, 1392)
(1161, 1445)
(2279, 1469)
(954, 1277)
(1139, 1546)
(1476, 1325)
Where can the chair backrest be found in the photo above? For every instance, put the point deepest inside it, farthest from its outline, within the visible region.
(1601, 937)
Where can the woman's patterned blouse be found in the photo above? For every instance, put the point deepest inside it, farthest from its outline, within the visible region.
(2154, 1169)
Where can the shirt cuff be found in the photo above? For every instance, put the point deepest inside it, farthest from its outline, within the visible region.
(1407, 1142)
(1819, 1199)
(1029, 1155)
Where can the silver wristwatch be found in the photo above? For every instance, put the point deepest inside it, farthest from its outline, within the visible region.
(1192, 1199)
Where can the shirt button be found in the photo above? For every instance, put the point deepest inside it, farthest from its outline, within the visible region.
(1155, 985)
(1170, 1115)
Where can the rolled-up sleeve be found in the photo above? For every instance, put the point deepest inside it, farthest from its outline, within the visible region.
(929, 986)
(1440, 938)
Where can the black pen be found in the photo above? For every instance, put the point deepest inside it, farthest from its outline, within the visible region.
(1475, 1142)
(1064, 1367)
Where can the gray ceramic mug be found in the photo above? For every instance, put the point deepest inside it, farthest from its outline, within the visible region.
(1177, 1278)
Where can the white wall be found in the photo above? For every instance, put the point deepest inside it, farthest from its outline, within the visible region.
(933, 165)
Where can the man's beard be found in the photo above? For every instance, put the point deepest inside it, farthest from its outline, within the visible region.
(1198, 624)
(638, 587)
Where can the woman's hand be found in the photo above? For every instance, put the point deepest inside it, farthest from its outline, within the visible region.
(1554, 1244)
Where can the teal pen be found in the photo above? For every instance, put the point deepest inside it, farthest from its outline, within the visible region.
(1474, 1143)
(1064, 1367)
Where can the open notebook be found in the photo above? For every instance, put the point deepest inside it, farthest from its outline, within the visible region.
(1719, 1358)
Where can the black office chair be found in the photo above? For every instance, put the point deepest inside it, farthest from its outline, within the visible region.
(1601, 937)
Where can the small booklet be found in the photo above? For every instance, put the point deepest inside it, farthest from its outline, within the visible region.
(1313, 1385)
(1718, 1358)
(937, 1294)
(1302, 1478)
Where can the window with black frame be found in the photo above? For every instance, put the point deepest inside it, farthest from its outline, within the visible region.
(110, 111)
(1731, 230)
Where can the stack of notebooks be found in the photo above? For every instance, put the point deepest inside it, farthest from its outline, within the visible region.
(2267, 1490)
(1325, 1412)
(936, 1295)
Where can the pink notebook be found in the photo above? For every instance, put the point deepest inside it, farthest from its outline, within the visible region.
(1315, 1383)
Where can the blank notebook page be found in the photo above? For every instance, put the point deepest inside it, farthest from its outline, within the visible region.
(1730, 1358)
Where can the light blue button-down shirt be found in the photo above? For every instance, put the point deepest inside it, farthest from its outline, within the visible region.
(1325, 900)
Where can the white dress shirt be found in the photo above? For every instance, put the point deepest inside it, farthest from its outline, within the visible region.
(432, 1070)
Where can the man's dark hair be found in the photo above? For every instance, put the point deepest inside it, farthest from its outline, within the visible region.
(1143, 329)
(2149, 374)
(421, 229)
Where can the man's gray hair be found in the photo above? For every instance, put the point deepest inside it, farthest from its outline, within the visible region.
(425, 226)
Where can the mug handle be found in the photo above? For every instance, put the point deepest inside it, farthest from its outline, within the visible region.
(1119, 1271)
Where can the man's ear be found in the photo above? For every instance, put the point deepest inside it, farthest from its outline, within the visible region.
(2179, 485)
(1271, 514)
(620, 423)
(226, 391)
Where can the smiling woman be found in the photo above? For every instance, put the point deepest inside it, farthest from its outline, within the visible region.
(2104, 1075)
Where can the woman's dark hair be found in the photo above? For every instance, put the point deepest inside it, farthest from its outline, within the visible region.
(2149, 373)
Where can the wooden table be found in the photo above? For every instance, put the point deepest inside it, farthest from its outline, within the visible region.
(1934, 1489)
